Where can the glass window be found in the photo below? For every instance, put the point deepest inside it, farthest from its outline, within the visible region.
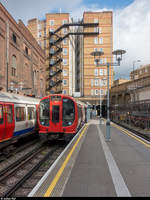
(96, 29)
(65, 31)
(14, 65)
(9, 114)
(101, 61)
(44, 112)
(101, 72)
(101, 40)
(51, 30)
(65, 21)
(64, 51)
(55, 114)
(39, 26)
(96, 40)
(51, 22)
(96, 92)
(64, 82)
(64, 72)
(14, 38)
(101, 91)
(64, 92)
(68, 112)
(96, 72)
(20, 114)
(100, 30)
(104, 82)
(105, 71)
(101, 49)
(31, 113)
(96, 82)
(64, 61)
(65, 41)
(1, 114)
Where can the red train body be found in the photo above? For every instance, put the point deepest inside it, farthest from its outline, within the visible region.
(18, 118)
(60, 116)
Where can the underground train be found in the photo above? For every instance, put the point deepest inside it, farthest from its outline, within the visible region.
(60, 116)
(18, 117)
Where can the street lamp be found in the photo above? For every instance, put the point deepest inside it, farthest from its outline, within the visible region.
(97, 54)
(100, 121)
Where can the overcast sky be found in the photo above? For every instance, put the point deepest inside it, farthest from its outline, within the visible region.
(131, 23)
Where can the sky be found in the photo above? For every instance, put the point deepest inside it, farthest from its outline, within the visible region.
(131, 23)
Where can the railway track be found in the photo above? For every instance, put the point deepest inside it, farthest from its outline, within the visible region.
(21, 145)
(134, 130)
(18, 179)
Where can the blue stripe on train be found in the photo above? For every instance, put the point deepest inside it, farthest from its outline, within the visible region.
(23, 131)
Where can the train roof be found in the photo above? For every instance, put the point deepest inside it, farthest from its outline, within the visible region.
(16, 98)
(67, 96)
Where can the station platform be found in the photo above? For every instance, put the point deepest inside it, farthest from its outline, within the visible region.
(93, 167)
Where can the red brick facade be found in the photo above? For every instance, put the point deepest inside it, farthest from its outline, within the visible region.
(22, 61)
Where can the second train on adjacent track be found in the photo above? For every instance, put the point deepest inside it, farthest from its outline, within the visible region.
(60, 116)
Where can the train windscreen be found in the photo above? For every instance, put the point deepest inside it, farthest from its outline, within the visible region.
(55, 114)
(44, 112)
(68, 112)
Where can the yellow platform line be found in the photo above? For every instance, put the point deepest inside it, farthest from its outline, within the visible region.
(58, 175)
(130, 134)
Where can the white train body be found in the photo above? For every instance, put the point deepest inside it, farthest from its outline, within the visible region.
(17, 116)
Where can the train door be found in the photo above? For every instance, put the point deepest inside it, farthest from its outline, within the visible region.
(31, 117)
(56, 121)
(10, 122)
(2, 122)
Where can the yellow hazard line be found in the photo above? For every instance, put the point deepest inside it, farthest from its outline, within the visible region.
(131, 135)
(60, 171)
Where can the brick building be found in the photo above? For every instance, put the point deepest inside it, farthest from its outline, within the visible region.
(41, 30)
(135, 89)
(95, 78)
(80, 76)
(142, 71)
(22, 61)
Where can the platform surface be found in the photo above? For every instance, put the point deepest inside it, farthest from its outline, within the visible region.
(92, 167)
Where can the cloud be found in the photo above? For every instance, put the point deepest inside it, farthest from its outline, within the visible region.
(28, 9)
(131, 24)
(131, 32)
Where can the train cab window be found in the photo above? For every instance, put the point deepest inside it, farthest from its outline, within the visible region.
(44, 112)
(1, 114)
(20, 114)
(9, 114)
(68, 112)
(55, 114)
(31, 113)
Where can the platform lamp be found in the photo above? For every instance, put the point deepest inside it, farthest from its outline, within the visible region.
(97, 54)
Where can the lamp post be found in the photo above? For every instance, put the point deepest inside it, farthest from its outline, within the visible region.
(97, 54)
(100, 103)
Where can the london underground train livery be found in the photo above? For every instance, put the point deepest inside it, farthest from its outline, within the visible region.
(18, 117)
(60, 116)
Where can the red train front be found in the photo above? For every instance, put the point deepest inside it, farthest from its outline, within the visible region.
(58, 116)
